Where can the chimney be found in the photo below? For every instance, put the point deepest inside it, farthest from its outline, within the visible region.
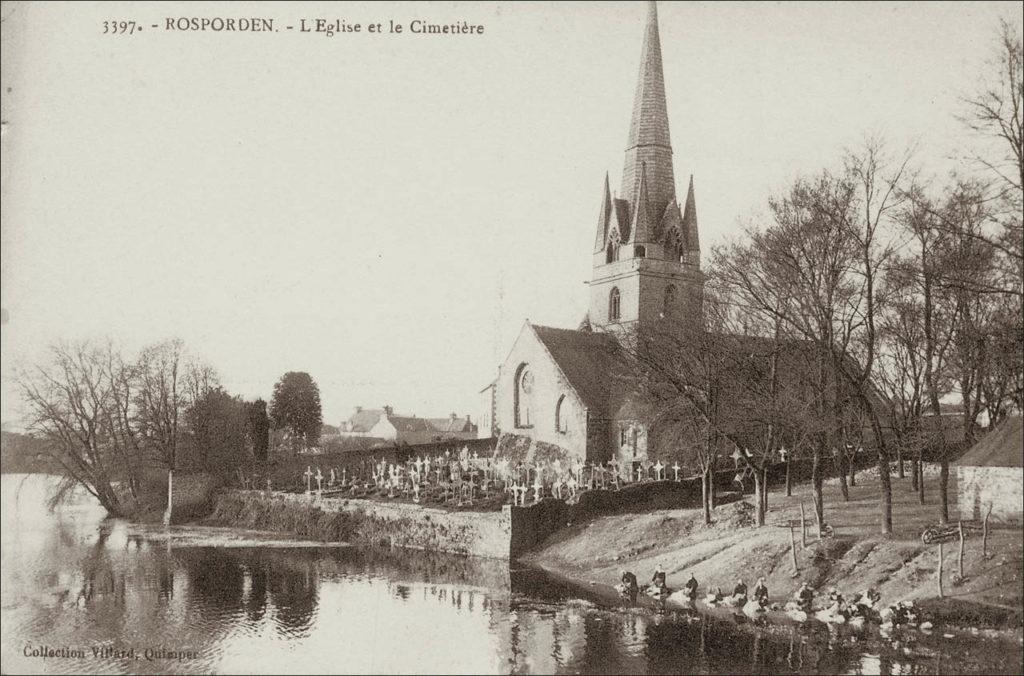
(388, 410)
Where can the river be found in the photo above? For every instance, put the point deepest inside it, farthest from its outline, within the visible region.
(81, 593)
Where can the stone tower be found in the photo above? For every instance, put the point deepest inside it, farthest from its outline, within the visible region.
(647, 253)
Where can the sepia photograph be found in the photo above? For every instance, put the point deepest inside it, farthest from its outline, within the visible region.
(515, 337)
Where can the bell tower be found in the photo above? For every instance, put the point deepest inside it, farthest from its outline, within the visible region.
(646, 253)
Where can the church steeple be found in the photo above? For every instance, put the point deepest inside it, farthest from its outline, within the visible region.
(646, 255)
(648, 148)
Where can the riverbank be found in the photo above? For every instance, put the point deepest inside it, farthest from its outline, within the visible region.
(900, 567)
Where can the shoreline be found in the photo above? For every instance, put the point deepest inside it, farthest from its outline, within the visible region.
(900, 567)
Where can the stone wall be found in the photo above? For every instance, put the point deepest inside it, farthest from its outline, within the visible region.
(1001, 487)
(368, 522)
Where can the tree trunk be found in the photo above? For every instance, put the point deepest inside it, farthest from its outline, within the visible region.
(944, 491)
(914, 471)
(886, 496)
(920, 481)
(706, 496)
(899, 462)
(711, 489)
(843, 486)
(789, 482)
(851, 466)
(817, 481)
(759, 496)
(764, 489)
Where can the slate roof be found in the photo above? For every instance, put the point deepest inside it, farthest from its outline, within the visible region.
(406, 424)
(590, 363)
(362, 421)
(450, 424)
(1002, 447)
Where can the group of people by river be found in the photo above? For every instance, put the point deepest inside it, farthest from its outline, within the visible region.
(856, 609)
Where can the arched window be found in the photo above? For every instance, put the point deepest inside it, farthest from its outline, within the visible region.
(523, 396)
(561, 409)
(670, 301)
(613, 305)
(640, 251)
(612, 253)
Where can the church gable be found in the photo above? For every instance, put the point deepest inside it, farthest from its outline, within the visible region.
(535, 399)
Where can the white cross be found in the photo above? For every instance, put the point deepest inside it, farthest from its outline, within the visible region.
(783, 453)
(657, 470)
(736, 456)
(675, 468)
(639, 473)
(537, 487)
(309, 475)
(319, 482)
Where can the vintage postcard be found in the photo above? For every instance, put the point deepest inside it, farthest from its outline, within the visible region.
(512, 337)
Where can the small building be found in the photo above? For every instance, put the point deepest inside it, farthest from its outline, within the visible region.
(383, 423)
(991, 474)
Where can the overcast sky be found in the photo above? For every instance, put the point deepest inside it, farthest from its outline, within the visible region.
(385, 211)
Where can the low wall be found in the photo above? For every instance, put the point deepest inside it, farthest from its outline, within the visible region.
(368, 522)
(1000, 487)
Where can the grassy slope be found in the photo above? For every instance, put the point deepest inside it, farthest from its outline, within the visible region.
(900, 567)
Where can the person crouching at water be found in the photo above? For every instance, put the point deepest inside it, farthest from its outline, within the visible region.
(804, 597)
(761, 592)
(691, 587)
(659, 578)
(739, 592)
(629, 586)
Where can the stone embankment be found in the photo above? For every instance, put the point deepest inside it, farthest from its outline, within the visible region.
(367, 522)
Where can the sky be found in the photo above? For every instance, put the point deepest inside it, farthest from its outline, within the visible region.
(385, 211)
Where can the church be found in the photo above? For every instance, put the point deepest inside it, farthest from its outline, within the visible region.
(559, 386)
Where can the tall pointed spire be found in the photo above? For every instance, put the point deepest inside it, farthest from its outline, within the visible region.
(648, 142)
(604, 217)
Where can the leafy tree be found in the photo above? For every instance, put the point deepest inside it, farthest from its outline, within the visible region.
(216, 433)
(259, 429)
(295, 408)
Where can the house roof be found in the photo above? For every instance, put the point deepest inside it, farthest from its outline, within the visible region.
(589, 361)
(451, 424)
(364, 420)
(405, 424)
(1002, 447)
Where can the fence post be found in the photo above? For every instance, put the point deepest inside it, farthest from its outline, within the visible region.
(961, 550)
(939, 576)
(792, 550)
(803, 527)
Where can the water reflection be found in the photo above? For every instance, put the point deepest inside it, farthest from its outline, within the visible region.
(75, 580)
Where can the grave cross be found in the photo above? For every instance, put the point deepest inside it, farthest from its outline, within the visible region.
(309, 475)
(319, 482)
(783, 453)
(736, 456)
(675, 468)
(330, 482)
(537, 487)
(658, 469)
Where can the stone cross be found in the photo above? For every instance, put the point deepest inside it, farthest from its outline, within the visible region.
(416, 492)
(330, 482)
(736, 456)
(639, 472)
(537, 487)
(675, 468)
(319, 482)
(573, 485)
(344, 471)
(658, 469)
(783, 453)
(309, 475)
